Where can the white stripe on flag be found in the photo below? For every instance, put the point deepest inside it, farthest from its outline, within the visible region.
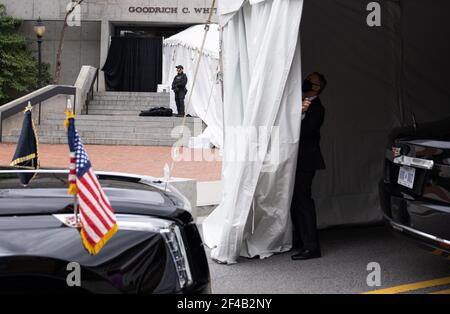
(100, 192)
(96, 210)
(92, 217)
(93, 180)
(83, 189)
(91, 233)
(110, 211)
(93, 199)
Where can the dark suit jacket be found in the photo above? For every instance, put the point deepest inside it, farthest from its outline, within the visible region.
(179, 83)
(310, 157)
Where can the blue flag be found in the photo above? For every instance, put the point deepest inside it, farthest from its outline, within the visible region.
(26, 155)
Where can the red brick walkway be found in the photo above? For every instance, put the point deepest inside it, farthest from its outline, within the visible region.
(130, 159)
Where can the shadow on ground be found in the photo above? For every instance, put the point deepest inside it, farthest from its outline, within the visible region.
(342, 269)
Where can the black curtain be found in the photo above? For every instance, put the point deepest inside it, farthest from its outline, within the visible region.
(362, 65)
(426, 59)
(377, 77)
(134, 64)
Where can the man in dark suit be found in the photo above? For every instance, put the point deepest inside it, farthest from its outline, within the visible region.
(179, 87)
(303, 211)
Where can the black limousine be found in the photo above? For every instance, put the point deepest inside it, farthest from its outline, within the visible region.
(157, 249)
(415, 190)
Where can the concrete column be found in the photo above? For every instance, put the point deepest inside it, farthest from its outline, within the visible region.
(106, 29)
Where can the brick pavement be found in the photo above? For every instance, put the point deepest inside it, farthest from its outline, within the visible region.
(131, 159)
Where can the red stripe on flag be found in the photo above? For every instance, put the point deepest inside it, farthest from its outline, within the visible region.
(94, 194)
(99, 188)
(105, 202)
(88, 238)
(91, 224)
(86, 234)
(94, 210)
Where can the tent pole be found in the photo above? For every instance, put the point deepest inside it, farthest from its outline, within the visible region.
(221, 82)
(398, 15)
(207, 25)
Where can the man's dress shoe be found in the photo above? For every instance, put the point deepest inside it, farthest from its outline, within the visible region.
(306, 254)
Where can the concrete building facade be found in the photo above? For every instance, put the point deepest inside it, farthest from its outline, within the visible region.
(87, 42)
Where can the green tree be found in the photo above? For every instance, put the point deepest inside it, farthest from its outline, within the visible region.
(18, 67)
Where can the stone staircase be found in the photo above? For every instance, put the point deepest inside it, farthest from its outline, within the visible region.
(112, 119)
(124, 103)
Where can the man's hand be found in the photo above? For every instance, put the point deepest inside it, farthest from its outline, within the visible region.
(305, 105)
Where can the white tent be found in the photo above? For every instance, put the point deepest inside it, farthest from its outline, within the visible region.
(379, 78)
(262, 75)
(206, 100)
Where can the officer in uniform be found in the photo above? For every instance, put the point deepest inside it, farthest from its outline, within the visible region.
(179, 88)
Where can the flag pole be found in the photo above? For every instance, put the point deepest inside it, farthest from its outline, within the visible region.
(75, 205)
(166, 171)
(69, 112)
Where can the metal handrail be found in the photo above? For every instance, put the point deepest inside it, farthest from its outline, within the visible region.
(10, 109)
(90, 93)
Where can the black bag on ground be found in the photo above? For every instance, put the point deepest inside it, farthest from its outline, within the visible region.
(157, 112)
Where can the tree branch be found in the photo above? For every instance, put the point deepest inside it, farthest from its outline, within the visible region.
(57, 74)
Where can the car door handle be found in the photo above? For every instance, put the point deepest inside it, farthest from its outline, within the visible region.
(414, 162)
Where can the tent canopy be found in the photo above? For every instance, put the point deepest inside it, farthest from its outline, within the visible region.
(377, 77)
(192, 38)
(205, 98)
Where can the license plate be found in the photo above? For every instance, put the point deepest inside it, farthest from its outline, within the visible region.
(406, 176)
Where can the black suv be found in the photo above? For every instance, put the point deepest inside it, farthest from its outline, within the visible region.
(415, 190)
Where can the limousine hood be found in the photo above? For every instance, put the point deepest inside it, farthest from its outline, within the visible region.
(20, 202)
(436, 130)
(135, 260)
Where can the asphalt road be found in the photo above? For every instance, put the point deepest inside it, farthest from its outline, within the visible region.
(342, 269)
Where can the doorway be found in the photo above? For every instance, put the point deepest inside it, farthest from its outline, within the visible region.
(134, 62)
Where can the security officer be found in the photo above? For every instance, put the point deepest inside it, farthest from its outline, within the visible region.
(179, 87)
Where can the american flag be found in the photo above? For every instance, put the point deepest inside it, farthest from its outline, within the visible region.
(98, 222)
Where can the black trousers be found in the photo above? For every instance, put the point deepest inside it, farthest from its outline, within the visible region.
(303, 212)
(179, 100)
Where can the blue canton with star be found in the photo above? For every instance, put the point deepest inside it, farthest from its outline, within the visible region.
(82, 163)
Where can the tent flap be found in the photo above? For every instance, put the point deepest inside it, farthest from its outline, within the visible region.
(261, 78)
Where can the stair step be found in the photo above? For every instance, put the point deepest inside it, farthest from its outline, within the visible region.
(109, 128)
(121, 105)
(163, 134)
(102, 135)
(162, 99)
(137, 97)
(175, 120)
(114, 112)
(103, 141)
(118, 125)
(129, 94)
